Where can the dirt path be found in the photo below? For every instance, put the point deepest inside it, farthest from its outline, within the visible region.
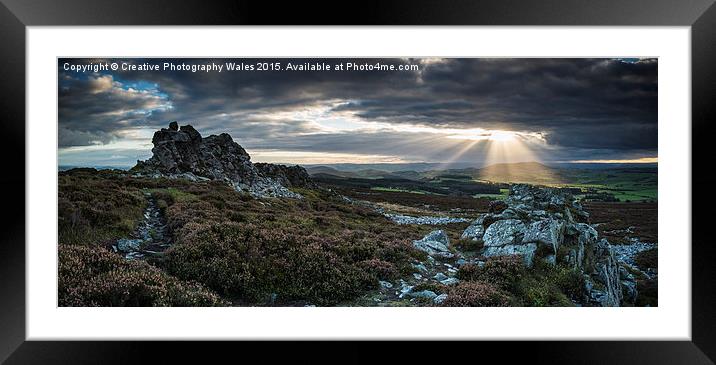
(151, 237)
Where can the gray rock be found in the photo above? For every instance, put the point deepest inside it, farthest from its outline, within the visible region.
(440, 298)
(385, 284)
(450, 281)
(436, 243)
(440, 276)
(427, 294)
(431, 221)
(475, 231)
(527, 251)
(548, 232)
(129, 245)
(504, 232)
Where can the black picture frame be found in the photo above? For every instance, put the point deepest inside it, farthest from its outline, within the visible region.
(16, 15)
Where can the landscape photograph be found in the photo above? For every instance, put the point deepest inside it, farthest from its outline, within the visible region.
(355, 182)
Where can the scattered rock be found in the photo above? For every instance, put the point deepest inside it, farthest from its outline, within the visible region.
(128, 245)
(436, 243)
(431, 221)
(385, 284)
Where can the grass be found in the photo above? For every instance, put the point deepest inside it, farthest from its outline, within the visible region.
(398, 190)
(539, 286)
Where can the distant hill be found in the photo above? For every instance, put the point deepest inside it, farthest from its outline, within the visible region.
(523, 172)
(367, 173)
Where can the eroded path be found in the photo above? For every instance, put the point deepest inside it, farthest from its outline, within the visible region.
(151, 237)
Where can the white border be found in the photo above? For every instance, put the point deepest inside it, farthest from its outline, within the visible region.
(671, 320)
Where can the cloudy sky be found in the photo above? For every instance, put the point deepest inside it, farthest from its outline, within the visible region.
(474, 111)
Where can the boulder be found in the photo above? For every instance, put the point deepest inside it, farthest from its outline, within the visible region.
(475, 231)
(435, 243)
(440, 298)
(548, 232)
(527, 251)
(504, 232)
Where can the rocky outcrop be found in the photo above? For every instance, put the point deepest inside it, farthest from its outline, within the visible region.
(289, 176)
(181, 152)
(548, 224)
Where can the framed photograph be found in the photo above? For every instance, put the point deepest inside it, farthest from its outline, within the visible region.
(490, 172)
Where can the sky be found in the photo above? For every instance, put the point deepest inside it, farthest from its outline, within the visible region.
(446, 111)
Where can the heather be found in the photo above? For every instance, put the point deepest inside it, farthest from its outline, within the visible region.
(96, 277)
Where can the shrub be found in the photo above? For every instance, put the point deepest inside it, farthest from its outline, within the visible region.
(382, 270)
(501, 271)
(647, 259)
(97, 277)
(475, 294)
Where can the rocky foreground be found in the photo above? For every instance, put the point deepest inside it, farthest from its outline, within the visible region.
(535, 224)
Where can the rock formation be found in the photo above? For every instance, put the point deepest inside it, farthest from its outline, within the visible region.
(548, 224)
(183, 153)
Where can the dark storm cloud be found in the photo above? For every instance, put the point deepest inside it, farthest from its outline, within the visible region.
(587, 104)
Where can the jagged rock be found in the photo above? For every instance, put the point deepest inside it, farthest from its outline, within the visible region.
(504, 232)
(549, 232)
(435, 243)
(288, 176)
(475, 231)
(181, 152)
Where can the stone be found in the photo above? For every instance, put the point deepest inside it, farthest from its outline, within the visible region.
(431, 221)
(440, 276)
(129, 245)
(527, 251)
(450, 281)
(385, 284)
(426, 294)
(548, 232)
(440, 298)
(475, 231)
(504, 232)
(174, 126)
(288, 176)
(435, 243)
